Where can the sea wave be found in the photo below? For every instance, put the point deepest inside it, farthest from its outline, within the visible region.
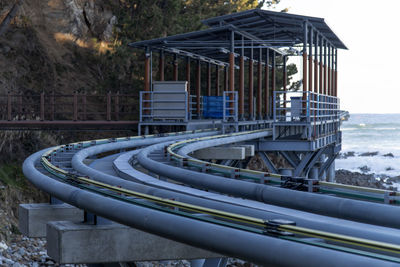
(379, 165)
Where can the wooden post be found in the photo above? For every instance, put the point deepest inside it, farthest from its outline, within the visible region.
(20, 106)
(109, 106)
(84, 117)
(52, 106)
(117, 106)
(9, 115)
(75, 106)
(42, 106)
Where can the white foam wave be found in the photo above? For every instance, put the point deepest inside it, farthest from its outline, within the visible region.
(379, 165)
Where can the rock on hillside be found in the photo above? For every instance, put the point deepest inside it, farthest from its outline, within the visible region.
(47, 45)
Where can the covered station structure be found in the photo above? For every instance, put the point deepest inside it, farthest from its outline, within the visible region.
(242, 55)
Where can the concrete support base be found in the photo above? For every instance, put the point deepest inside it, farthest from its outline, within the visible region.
(237, 153)
(34, 217)
(69, 242)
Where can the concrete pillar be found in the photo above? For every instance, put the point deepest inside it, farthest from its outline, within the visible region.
(313, 174)
(34, 217)
(330, 176)
(74, 243)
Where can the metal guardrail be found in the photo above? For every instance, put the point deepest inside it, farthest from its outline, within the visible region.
(305, 107)
(230, 106)
(67, 107)
(165, 108)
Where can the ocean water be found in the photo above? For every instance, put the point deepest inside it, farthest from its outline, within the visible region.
(364, 133)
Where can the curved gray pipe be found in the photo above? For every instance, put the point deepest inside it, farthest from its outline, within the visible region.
(188, 148)
(350, 209)
(301, 218)
(259, 249)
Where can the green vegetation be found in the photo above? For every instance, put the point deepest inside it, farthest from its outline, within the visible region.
(122, 67)
(11, 175)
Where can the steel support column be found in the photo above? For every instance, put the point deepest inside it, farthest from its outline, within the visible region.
(209, 79)
(324, 70)
(329, 71)
(241, 82)
(266, 81)
(147, 72)
(259, 86)
(251, 85)
(305, 88)
(226, 78)
(217, 80)
(175, 72)
(284, 88)
(198, 88)
(336, 74)
(161, 66)
(316, 64)
(241, 88)
(188, 82)
(321, 68)
(273, 72)
(310, 62)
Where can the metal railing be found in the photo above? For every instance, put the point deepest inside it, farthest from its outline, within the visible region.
(230, 106)
(194, 113)
(166, 105)
(67, 107)
(305, 107)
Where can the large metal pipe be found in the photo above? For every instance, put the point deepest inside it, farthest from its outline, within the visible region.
(216, 201)
(209, 236)
(368, 212)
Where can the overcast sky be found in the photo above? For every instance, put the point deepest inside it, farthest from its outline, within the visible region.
(369, 72)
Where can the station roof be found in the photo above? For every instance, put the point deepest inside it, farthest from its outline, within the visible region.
(253, 28)
(274, 25)
(211, 44)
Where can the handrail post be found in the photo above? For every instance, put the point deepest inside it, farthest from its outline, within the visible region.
(9, 117)
(117, 106)
(42, 106)
(75, 106)
(109, 106)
